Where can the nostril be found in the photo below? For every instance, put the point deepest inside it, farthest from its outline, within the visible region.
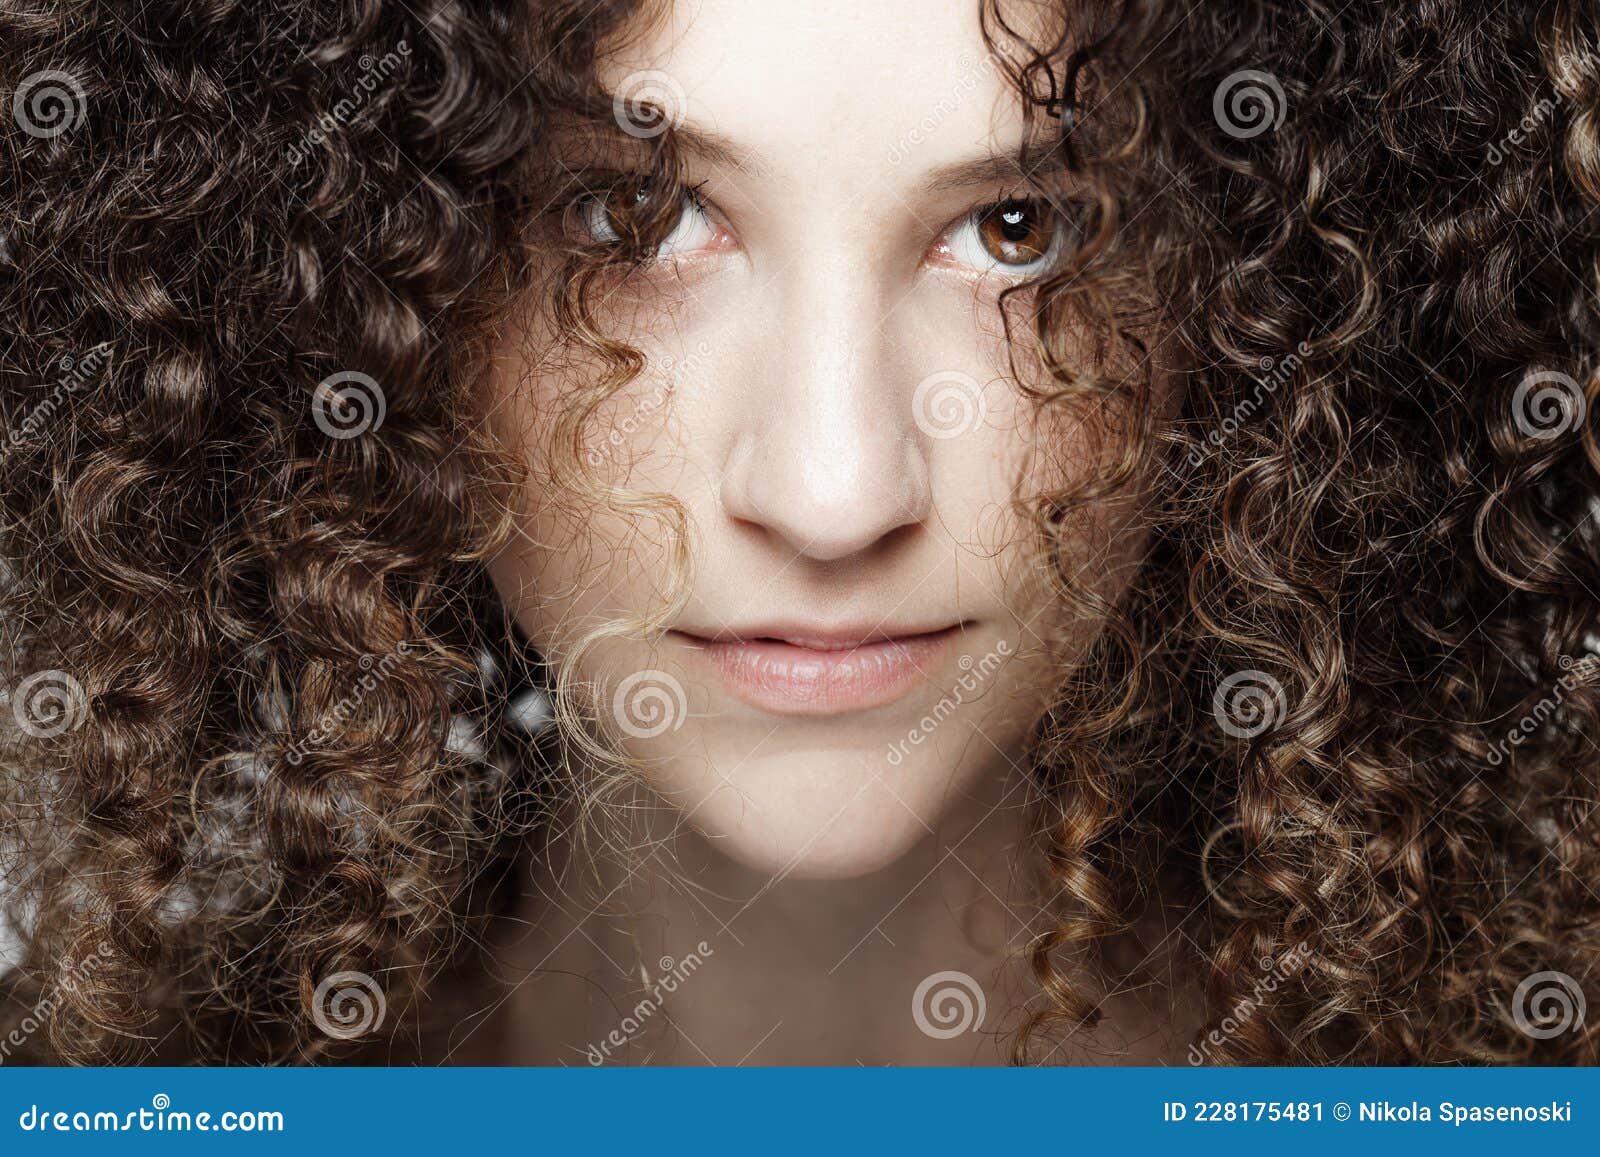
(828, 492)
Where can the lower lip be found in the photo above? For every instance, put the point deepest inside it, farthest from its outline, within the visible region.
(786, 679)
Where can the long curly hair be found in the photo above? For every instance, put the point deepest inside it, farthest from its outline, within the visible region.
(253, 256)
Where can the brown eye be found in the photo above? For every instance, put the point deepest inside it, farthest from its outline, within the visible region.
(1017, 233)
(606, 218)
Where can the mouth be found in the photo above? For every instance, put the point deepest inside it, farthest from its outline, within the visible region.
(810, 671)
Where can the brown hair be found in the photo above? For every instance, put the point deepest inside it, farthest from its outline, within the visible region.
(1362, 236)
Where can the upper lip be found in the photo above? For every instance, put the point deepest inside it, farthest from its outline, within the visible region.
(813, 636)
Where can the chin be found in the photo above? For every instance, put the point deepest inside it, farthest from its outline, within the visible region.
(819, 815)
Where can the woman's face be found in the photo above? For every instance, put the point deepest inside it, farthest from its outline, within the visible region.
(864, 640)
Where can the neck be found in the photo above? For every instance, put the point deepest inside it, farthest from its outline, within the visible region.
(676, 954)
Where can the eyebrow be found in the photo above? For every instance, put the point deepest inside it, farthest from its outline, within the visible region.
(1037, 160)
(715, 148)
(996, 168)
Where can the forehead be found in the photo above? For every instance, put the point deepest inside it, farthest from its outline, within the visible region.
(829, 89)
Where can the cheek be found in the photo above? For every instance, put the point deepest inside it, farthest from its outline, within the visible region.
(847, 794)
(586, 550)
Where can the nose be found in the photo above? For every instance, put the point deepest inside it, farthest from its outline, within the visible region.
(830, 460)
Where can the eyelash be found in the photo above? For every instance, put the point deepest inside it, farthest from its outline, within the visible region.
(597, 192)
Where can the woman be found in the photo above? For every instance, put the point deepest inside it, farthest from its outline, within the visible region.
(727, 533)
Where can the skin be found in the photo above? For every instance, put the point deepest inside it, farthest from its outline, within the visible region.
(835, 861)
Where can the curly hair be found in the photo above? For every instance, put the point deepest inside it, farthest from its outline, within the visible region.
(1349, 701)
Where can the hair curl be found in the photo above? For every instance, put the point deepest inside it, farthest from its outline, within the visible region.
(1359, 237)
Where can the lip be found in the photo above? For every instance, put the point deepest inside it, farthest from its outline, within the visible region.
(810, 671)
